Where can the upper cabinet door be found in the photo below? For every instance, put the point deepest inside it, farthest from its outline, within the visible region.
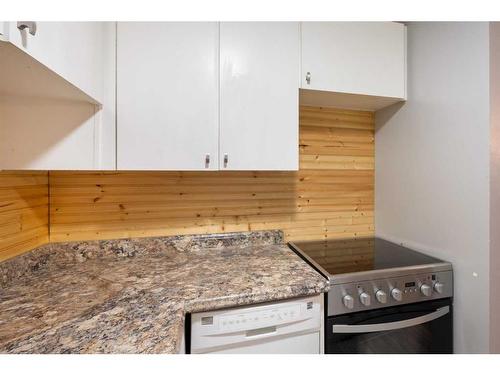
(259, 67)
(167, 96)
(366, 58)
(73, 50)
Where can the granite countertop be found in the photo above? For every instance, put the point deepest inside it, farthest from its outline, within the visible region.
(131, 296)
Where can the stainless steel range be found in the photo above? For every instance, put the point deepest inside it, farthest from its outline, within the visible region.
(383, 298)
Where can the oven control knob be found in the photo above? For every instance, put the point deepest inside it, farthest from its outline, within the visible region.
(348, 301)
(396, 294)
(365, 299)
(438, 287)
(381, 296)
(426, 290)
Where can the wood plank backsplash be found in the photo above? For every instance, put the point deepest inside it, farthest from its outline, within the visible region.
(23, 212)
(332, 195)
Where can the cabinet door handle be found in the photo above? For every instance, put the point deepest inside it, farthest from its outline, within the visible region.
(308, 78)
(30, 25)
(207, 160)
(226, 160)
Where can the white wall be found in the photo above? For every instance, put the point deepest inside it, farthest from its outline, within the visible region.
(495, 187)
(432, 165)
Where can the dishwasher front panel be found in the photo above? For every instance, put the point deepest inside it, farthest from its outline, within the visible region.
(307, 343)
(290, 326)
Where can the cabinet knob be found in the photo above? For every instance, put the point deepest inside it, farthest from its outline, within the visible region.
(30, 25)
(308, 78)
(207, 160)
(226, 160)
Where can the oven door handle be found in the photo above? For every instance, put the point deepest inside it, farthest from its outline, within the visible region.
(365, 328)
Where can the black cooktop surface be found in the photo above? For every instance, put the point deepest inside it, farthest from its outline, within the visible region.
(361, 254)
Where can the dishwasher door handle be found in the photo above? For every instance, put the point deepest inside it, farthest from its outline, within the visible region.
(260, 331)
(366, 328)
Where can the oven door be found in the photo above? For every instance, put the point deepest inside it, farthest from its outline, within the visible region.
(425, 328)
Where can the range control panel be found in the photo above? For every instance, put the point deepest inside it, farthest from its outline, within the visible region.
(379, 293)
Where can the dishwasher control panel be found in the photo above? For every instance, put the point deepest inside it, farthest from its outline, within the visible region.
(267, 317)
(227, 327)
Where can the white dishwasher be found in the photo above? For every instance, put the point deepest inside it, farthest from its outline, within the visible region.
(289, 326)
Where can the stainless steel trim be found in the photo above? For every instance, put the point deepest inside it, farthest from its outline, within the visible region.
(310, 260)
(388, 273)
(365, 328)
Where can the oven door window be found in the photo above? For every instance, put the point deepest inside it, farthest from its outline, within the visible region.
(422, 328)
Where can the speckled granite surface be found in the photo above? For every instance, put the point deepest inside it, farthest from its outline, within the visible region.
(131, 296)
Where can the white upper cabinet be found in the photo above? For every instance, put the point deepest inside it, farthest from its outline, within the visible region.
(167, 96)
(53, 59)
(188, 95)
(362, 58)
(259, 81)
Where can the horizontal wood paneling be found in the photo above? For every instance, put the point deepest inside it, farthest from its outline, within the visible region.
(331, 196)
(23, 212)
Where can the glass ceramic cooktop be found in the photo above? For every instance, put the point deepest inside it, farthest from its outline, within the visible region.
(361, 254)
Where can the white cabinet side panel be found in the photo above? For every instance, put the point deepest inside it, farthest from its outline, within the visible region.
(46, 134)
(105, 158)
